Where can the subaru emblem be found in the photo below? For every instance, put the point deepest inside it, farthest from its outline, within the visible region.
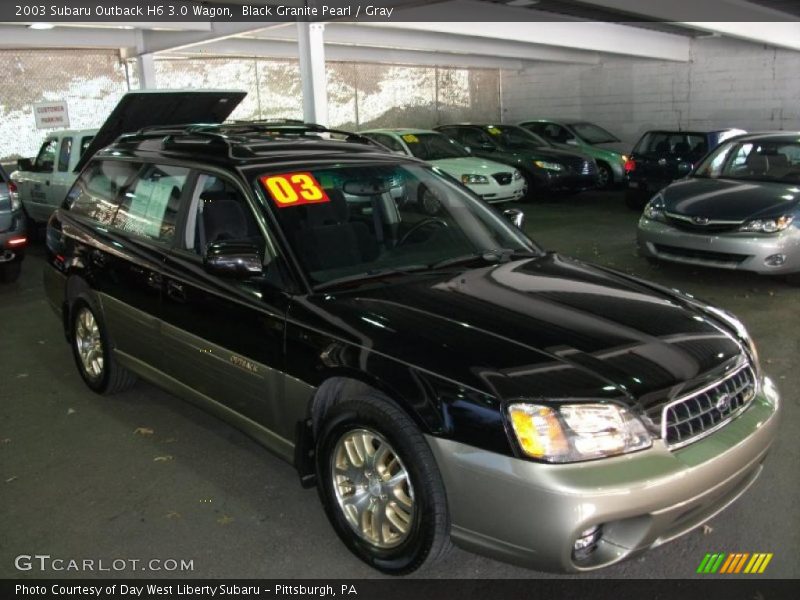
(723, 403)
(700, 220)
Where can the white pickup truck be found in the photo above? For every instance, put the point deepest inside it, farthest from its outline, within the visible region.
(42, 183)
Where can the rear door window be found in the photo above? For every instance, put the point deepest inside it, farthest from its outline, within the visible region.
(149, 208)
(97, 192)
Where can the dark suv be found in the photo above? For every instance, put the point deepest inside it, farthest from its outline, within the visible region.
(662, 156)
(13, 238)
(436, 377)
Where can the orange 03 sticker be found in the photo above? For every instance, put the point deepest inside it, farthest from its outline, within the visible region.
(294, 189)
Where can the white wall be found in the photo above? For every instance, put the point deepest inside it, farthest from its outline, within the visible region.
(728, 83)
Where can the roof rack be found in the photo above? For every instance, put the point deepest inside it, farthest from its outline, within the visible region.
(236, 135)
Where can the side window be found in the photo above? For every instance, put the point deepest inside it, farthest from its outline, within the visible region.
(474, 138)
(85, 141)
(150, 206)
(557, 133)
(46, 157)
(393, 144)
(97, 192)
(63, 154)
(219, 212)
(538, 128)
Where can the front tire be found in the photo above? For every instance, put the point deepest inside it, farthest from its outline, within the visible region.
(92, 351)
(380, 485)
(605, 176)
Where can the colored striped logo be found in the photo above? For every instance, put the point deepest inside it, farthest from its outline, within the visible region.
(735, 562)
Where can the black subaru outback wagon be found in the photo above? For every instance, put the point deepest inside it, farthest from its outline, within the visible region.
(437, 377)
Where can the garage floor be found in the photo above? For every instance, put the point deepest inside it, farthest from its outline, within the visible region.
(144, 475)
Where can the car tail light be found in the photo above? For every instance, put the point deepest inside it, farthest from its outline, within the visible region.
(15, 242)
(630, 165)
(12, 187)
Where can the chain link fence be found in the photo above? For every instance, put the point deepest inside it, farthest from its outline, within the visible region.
(360, 95)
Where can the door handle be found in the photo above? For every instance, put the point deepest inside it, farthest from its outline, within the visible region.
(176, 291)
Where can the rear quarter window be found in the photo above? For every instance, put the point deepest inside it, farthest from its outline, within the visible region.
(149, 207)
(97, 192)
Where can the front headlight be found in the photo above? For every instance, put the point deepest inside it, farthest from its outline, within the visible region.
(473, 179)
(767, 225)
(655, 208)
(575, 432)
(549, 166)
(517, 175)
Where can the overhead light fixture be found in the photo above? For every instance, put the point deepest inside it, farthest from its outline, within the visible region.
(124, 26)
(41, 26)
(522, 2)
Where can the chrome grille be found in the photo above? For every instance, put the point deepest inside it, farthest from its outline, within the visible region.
(502, 178)
(698, 413)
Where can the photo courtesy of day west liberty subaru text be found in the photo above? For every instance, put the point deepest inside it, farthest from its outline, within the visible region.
(155, 10)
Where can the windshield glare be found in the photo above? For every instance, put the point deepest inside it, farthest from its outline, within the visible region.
(593, 134)
(368, 219)
(753, 160)
(434, 146)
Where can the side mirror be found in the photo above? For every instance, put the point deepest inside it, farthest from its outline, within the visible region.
(516, 216)
(233, 260)
(25, 164)
(684, 168)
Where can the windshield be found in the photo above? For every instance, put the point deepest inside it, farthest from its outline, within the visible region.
(357, 221)
(753, 160)
(515, 137)
(433, 146)
(593, 134)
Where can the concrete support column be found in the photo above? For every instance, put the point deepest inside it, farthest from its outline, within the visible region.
(311, 48)
(145, 64)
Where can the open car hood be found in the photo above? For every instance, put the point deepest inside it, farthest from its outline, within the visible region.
(150, 108)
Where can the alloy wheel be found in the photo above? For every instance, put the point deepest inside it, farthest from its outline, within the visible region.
(373, 488)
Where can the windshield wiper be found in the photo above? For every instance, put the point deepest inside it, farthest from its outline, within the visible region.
(498, 255)
(367, 275)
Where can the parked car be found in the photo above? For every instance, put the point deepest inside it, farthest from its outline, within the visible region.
(13, 238)
(737, 210)
(437, 377)
(546, 169)
(42, 182)
(492, 181)
(588, 138)
(660, 157)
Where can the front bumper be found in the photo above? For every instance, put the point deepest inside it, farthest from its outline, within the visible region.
(531, 513)
(730, 250)
(555, 181)
(493, 192)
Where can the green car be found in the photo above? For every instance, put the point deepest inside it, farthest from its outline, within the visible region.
(588, 137)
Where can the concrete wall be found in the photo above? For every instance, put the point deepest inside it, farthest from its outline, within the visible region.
(727, 83)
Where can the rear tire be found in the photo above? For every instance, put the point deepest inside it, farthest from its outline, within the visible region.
(10, 271)
(393, 527)
(91, 349)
